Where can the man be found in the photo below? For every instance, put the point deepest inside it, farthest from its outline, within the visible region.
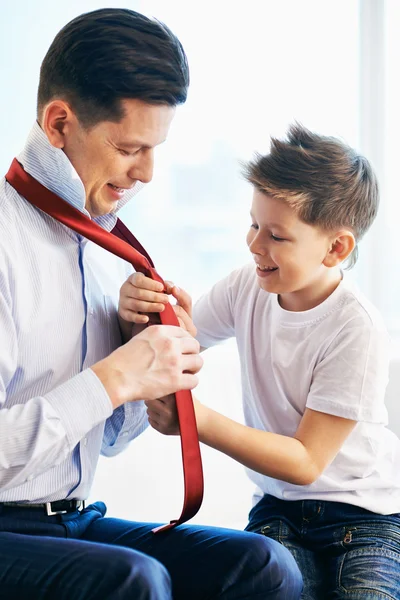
(69, 390)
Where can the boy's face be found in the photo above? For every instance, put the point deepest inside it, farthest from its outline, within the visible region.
(289, 254)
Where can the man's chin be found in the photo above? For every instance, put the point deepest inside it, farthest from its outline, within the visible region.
(102, 209)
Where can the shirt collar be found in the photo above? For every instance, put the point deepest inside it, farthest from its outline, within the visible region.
(52, 168)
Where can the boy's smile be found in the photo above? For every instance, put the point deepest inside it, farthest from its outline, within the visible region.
(290, 255)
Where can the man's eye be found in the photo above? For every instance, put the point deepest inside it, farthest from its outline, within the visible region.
(126, 153)
(277, 239)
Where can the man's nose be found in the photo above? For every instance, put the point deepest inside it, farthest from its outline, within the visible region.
(143, 168)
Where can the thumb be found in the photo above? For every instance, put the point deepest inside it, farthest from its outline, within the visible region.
(183, 299)
(169, 285)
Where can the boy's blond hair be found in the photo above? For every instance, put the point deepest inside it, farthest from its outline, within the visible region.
(328, 183)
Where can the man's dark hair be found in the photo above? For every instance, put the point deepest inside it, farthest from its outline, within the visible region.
(108, 55)
(328, 183)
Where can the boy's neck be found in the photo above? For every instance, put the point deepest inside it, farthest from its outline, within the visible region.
(313, 295)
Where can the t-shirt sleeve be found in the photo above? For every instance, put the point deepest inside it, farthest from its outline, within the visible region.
(351, 378)
(213, 313)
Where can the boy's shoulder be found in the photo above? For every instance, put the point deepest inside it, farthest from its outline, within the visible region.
(356, 306)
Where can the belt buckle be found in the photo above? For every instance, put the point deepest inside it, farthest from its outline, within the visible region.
(80, 505)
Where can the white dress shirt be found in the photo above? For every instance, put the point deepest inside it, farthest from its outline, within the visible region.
(58, 316)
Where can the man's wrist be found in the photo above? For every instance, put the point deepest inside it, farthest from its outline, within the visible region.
(112, 380)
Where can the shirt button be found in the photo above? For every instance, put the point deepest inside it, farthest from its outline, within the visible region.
(124, 434)
(29, 478)
(85, 441)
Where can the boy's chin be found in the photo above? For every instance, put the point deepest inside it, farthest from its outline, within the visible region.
(267, 286)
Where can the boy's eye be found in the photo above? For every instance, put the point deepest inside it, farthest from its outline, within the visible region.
(254, 226)
(276, 238)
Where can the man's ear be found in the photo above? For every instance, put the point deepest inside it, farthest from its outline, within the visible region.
(58, 118)
(342, 245)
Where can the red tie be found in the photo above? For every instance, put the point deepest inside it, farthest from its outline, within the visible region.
(122, 243)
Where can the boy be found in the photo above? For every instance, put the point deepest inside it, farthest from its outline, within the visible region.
(314, 367)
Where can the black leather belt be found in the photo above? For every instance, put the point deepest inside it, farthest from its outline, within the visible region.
(58, 507)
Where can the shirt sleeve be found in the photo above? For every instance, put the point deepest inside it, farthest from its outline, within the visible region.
(351, 378)
(124, 425)
(213, 313)
(39, 433)
(127, 421)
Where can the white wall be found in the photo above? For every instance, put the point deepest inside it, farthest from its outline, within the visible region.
(393, 396)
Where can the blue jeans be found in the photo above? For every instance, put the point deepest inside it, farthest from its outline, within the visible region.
(343, 551)
(85, 556)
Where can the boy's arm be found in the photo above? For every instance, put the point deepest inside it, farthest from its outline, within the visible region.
(300, 459)
(348, 386)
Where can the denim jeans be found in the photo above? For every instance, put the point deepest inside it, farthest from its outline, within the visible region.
(86, 556)
(343, 551)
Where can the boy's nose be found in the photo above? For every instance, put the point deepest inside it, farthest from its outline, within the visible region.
(256, 247)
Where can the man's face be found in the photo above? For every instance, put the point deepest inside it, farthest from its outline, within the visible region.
(110, 157)
(289, 253)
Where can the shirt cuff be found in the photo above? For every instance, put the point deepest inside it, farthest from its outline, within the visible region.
(82, 403)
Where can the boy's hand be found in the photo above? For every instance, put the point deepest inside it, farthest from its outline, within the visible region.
(140, 295)
(163, 416)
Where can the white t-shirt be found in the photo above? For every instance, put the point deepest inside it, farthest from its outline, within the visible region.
(333, 358)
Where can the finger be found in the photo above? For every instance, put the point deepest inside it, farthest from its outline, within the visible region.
(142, 295)
(154, 424)
(191, 363)
(136, 305)
(170, 331)
(133, 317)
(184, 320)
(183, 299)
(153, 404)
(151, 414)
(169, 286)
(189, 381)
(189, 345)
(141, 281)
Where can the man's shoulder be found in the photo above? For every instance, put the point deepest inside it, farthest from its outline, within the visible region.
(8, 206)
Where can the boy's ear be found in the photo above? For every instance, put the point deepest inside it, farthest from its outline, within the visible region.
(341, 247)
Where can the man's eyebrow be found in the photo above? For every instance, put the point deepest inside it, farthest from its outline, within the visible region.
(136, 144)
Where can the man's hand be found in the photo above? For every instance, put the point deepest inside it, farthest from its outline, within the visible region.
(141, 296)
(157, 362)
